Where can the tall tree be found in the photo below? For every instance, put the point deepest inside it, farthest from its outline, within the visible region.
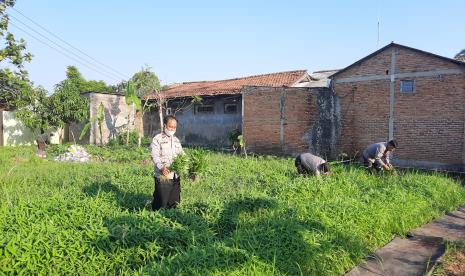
(145, 82)
(40, 113)
(14, 79)
(67, 104)
(75, 77)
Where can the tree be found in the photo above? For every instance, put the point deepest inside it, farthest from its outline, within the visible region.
(146, 82)
(40, 113)
(33, 111)
(119, 88)
(75, 77)
(14, 79)
(67, 104)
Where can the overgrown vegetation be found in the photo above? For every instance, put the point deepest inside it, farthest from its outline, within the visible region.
(453, 261)
(246, 216)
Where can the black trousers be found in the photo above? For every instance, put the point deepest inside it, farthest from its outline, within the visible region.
(370, 166)
(167, 193)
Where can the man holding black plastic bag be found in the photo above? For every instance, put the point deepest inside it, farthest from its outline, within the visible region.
(164, 149)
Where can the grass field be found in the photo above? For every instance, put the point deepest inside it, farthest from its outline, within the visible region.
(251, 216)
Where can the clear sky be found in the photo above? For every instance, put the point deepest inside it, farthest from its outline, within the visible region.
(208, 40)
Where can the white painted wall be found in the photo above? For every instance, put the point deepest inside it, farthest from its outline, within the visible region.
(16, 134)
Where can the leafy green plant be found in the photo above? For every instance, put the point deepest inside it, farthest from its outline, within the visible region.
(132, 141)
(181, 165)
(236, 140)
(241, 141)
(233, 139)
(198, 163)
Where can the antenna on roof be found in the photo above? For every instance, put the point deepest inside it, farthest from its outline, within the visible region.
(377, 13)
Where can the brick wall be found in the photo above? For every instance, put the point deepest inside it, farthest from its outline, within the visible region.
(428, 124)
(262, 119)
(287, 120)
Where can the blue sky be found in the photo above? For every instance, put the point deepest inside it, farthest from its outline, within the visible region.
(208, 40)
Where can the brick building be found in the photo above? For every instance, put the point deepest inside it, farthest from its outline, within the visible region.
(221, 108)
(416, 97)
(396, 92)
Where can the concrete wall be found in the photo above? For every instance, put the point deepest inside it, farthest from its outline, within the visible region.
(14, 133)
(116, 119)
(291, 120)
(428, 124)
(196, 128)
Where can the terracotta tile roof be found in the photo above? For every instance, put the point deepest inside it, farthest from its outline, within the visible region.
(232, 86)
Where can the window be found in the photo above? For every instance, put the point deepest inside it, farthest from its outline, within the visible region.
(407, 86)
(230, 108)
(204, 109)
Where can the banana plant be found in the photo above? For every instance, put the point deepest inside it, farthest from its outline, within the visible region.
(99, 118)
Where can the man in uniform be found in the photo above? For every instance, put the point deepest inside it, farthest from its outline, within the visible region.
(164, 149)
(307, 163)
(377, 155)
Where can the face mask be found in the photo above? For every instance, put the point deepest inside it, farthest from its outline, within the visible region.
(170, 132)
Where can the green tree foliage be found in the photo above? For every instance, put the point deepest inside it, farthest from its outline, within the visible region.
(39, 112)
(75, 77)
(13, 77)
(34, 110)
(67, 104)
(145, 82)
